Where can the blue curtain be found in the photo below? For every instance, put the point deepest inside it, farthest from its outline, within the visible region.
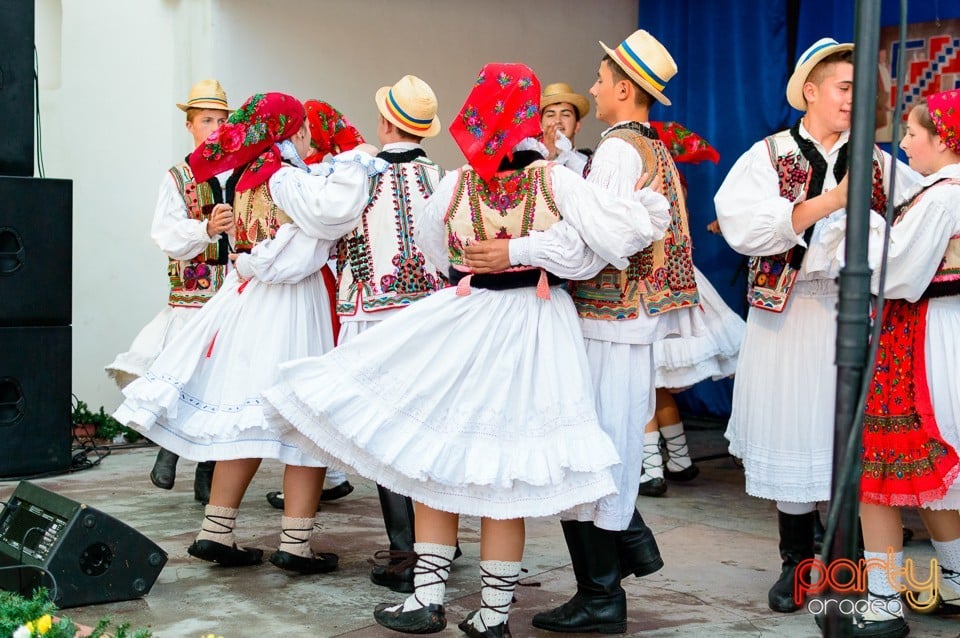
(733, 68)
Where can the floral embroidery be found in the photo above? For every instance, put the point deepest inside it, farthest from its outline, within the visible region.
(196, 276)
(524, 82)
(525, 112)
(503, 80)
(498, 107)
(475, 125)
(494, 143)
(504, 192)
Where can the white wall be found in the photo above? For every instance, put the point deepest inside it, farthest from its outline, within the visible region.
(109, 85)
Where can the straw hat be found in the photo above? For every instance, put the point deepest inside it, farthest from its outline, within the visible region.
(646, 61)
(560, 92)
(809, 59)
(411, 105)
(206, 94)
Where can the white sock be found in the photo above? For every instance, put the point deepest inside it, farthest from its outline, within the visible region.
(218, 525)
(295, 535)
(333, 478)
(678, 455)
(652, 461)
(880, 587)
(948, 555)
(796, 509)
(498, 580)
(429, 575)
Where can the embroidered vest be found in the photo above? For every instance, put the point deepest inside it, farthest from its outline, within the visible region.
(770, 278)
(257, 217)
(510, 206)
(378, 265)
(194, 281)
(660, 278)
(946, 281)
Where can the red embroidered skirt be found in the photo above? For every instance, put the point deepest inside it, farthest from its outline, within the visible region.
(905, 460)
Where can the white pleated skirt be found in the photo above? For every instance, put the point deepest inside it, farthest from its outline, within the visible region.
(781, 424)
(480, 405)
(683, 361)
(147, 345)
(943, 378)
(201, 398)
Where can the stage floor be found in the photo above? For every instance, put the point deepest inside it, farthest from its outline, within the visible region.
(720, 549)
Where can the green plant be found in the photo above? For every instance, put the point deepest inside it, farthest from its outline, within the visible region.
(34, 617)
(107, 427)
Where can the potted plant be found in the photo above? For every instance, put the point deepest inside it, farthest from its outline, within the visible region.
(34, 617)
(87, 424)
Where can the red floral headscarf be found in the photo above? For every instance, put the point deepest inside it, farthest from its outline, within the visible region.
(685, 145)
(945, 113)
(330, 131)
(503, 108)
(250, 136)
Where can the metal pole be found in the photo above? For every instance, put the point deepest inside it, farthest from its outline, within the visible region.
(853, 320)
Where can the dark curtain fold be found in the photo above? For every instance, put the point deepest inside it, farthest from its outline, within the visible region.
(733, 69)
(734, 59)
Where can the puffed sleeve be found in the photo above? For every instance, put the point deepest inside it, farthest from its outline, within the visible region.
(326, 204)
(288, 258)
(430, 234)
(178, 236)
(754, 219)
(598, 228)
(918, 243)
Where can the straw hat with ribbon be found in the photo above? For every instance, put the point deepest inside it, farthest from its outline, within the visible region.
(561, 92)
(206, 94)
(809, 59)
(646, 62)
(411, 105)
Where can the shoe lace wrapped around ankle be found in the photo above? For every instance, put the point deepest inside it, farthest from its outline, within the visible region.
(679, 450)
(218, 526)
(501, 583)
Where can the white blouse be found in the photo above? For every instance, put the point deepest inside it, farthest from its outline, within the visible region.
(755, 220)
(597, 227)
(324, 205)
(919, 241)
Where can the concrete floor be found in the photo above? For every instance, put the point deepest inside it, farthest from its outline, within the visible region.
(720, 549)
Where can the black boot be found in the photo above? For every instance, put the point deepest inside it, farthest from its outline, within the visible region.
(796, 545)
(164, 471)
(202, 480)
(819, 531)
(398, 520)
(600, 604)
(637, 549)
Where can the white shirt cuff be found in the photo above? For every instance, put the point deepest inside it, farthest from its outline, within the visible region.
(520, 251)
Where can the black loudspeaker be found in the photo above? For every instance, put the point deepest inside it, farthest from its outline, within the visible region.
(93, 557)
(36, 249)
(16, 87)
(35, 407)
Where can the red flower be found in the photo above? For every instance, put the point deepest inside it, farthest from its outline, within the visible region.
(273, 127)
(231, 136)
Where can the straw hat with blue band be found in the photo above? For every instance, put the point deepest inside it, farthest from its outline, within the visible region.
(809, 59)
(206, 94)
(646, 62)
(411, 105)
